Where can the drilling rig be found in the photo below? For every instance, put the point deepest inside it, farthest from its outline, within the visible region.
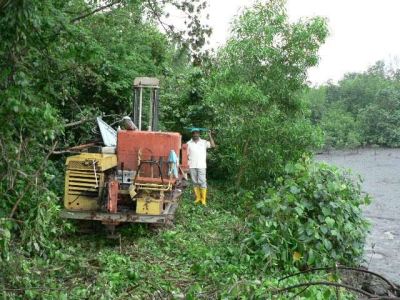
(137, 176)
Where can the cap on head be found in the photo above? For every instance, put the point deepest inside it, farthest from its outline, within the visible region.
(195, 130)
(126, 118)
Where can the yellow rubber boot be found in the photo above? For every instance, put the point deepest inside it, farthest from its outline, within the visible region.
(197, 192)
(203, 196)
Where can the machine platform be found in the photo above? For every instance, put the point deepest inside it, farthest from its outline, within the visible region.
(122, 217)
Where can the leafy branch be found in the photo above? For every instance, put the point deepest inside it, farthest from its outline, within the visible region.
(92, 12)
(30, 183)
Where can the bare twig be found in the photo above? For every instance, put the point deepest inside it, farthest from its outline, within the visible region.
(372, 255)
(302, 291)
(27, 187)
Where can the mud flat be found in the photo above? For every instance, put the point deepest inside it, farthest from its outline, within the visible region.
(380, 169)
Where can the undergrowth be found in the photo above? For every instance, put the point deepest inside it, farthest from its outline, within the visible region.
(199, 257)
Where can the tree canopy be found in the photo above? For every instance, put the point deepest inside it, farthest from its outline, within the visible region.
(361, 109)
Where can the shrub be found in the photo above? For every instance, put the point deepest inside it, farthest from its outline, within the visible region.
(312, 216)
(43, 225)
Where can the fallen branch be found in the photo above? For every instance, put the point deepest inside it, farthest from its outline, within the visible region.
(75, 149)
(326, 283)
(27, 187)
(391, 285)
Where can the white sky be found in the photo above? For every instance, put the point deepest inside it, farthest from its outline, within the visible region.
(361, 31)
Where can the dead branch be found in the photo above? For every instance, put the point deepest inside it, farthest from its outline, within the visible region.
(27, 187)
(391, 285)
(75, 149)
(84, 120)
(76, 123)
(83, 146)
(59, 152)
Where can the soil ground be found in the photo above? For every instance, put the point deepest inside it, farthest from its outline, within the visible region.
(380, 169)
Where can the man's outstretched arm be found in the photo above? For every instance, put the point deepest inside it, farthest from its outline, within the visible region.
(212, 143)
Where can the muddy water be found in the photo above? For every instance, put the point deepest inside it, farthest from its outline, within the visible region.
(380, 170)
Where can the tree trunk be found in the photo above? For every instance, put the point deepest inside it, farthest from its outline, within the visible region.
(242, 165)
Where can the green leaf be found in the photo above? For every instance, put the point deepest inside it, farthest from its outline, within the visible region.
(294, 190)
(329, 221)
(324, 229)
(327, 244)
(299, 210)
(326, 211)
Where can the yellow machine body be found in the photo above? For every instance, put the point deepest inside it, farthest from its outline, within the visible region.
(84, 179)
(149, 206)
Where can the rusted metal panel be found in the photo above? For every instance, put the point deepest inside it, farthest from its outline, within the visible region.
(135, 146)
(113, 188)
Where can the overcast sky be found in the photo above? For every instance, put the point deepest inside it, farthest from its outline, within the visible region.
(361, 31)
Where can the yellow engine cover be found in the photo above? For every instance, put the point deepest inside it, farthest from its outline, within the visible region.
(84, 161)
(149, 206)
(84, 179)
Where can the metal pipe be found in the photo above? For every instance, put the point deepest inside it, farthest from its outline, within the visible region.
(155, 109)
(140, 107)
(136, 107)
(150, 111)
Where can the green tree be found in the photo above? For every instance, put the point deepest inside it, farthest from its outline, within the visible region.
(340, 128)
(255, 88)
(316, 99)
(381, 120)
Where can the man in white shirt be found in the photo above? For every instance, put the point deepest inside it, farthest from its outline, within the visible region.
(197, 153)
